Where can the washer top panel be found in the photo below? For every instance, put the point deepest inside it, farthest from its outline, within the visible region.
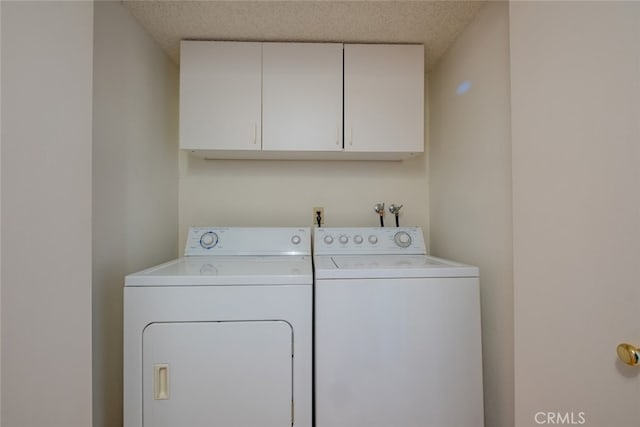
(389, 266)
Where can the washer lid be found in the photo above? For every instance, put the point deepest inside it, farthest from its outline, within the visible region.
(389, 266)
(227, 270)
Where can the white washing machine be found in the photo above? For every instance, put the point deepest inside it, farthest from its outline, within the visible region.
(397, 333)
(223, 336)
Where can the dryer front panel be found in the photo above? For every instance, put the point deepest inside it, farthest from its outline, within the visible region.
(231, 373)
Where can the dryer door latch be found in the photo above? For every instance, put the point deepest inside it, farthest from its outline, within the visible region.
(161, 381)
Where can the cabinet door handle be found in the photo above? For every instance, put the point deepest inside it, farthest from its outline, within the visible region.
(255, 133)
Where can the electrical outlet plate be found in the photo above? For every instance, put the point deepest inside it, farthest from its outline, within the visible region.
(315, 214)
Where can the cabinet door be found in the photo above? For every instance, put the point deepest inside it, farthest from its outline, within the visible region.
(220, 95)
(231, 374)
(302, 97)
(384, 98)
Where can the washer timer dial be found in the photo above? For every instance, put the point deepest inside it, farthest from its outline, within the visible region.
(208, 240)
(402, 239)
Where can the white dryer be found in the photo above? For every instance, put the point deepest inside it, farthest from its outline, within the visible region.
(397, 333)
(223, 336)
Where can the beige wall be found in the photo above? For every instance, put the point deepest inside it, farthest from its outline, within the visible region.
(135, 182)
(46, 213)
(470, 186)
(575, 70)
(0, 215)
(283, 193)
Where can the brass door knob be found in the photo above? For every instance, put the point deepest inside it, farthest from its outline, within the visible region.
(629, 354)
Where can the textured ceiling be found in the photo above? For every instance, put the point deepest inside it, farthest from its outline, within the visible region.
(435, 24)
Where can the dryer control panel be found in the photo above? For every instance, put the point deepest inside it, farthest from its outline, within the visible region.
(248, 241)
(369, 241)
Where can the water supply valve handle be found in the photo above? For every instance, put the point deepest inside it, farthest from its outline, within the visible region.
(379, 209)
(395, 210)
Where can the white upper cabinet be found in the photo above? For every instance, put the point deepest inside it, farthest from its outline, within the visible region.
(384, 98)
(302, 96)
(220, 95)
(248, 100)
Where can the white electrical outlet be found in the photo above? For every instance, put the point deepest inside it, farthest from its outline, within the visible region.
(318, 211)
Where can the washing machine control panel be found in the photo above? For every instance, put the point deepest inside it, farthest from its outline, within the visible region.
(369, 240)
(248, 241)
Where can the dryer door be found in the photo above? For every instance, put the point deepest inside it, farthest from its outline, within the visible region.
(232, 374)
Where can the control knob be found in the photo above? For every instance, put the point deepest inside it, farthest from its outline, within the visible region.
(402, 239)
(343, 239)
(357, 239)
(208, 240)
(296, 240)
(328, 239)
(373, 239)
